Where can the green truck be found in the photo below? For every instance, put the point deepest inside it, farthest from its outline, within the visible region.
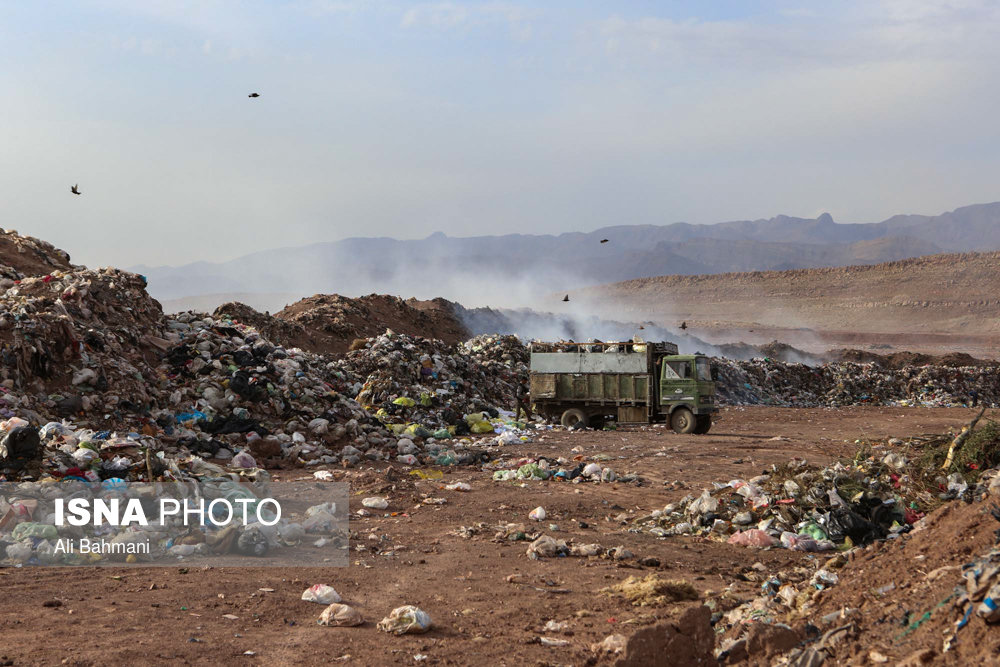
(633, 382)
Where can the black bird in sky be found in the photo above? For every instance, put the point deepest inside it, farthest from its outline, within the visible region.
(566, 298)
(254, 95)
(76, 189)
(684, 325)
(604, 240)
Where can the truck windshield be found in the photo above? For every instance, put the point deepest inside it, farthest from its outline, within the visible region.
(704, 367)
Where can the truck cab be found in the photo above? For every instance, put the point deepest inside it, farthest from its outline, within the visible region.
(687, 392)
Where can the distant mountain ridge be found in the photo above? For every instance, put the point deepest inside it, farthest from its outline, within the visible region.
(495, 266)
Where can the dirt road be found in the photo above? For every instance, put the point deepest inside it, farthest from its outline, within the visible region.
(481, 614)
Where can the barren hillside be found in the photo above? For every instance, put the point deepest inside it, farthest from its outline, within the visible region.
(937, 302)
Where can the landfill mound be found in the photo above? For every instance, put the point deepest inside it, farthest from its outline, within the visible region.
(331, 323)
(405, 378)
(948, 294)
(278, 331)
(906, 561)
(23, 256)
(770, 382)
(774, 350)
(71, 336)
(907, 598)
(900, 360)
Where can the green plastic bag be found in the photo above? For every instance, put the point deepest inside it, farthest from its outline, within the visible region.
(815, 532)
(32, 529)
(532, 471)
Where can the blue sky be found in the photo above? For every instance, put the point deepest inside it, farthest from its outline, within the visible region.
(403, 118)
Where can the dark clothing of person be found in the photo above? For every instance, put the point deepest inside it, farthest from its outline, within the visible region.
(523, 401)
(974, 397)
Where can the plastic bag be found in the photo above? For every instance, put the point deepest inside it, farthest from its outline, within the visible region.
(321, 593)
(508, 438)
(243, 459)
(752, 538)
(532, 471)
(842, 522)
(805, 543)
(547, 547)
(32, 529)
(340, 614)
(703, 505)
(406, 620)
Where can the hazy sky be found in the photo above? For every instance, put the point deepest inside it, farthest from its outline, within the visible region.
(403, 118)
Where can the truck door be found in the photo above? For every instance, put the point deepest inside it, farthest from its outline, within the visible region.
(676, 383)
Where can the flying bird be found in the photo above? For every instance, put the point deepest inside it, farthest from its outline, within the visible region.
(604, 240)
(641, 327)
(76, 189)
(254, 95)
(684, 325)
(566, 298)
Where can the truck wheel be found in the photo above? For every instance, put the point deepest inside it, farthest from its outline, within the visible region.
(682, 421)
(572, 417)
(702, 423)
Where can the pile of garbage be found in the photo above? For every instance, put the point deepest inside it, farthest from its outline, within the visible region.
(79, 341)
(770, 382)
(914, 602)
(332, 323)
(280, 332)
(229, 387)
(500, 354)
(107, 386)
(879, 494)
(560, 469)
(405, 380)
(24, 256)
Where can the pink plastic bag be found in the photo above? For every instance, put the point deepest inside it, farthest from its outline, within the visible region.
(752, 538)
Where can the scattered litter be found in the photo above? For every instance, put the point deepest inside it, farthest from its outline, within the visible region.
(341, 615)
(406, 620)
(321, 593)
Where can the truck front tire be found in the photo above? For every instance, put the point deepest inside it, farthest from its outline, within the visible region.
(572, 417)
(682, 421)
(702, 424)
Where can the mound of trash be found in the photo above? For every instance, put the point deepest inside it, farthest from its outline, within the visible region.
(405, 379)
(921, 589)
(879, 494)
(25, 256)
(331, 323)
(78, 341)
(278, 331)
(769, 382)
(900, 360)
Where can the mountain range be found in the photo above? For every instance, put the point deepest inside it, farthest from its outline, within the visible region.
(515, 269)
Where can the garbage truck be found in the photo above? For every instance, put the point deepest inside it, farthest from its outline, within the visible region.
(633, 382)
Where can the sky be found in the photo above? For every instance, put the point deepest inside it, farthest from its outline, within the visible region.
(405, 118)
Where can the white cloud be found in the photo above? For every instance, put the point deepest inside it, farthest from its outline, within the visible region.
(455, 15)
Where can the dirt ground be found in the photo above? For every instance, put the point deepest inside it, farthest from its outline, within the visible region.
(481, 614)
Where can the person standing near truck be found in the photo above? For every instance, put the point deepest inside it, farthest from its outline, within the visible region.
(522, 396)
